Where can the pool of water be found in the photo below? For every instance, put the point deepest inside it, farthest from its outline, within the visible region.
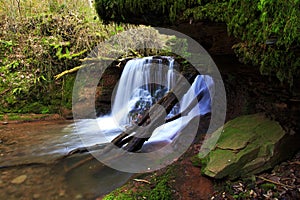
(33, 151)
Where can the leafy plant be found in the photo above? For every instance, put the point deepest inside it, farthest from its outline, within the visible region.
(40, 42)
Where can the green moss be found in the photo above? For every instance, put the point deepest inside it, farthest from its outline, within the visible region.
(268, 30)
(67, 91)
(196, 161)
(119, 194)
(119, 10)
(158, 189)
(161, 191)
(245, 146)
(267, 186)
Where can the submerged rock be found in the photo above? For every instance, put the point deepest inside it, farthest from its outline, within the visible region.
(247, 145)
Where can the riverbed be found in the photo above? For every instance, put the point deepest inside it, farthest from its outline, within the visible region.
(31, 164)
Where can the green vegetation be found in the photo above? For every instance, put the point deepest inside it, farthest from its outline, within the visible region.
(38, 40)
(42, 44)
(156, 189)
(247, 188)
(268, 30)
(268, 186)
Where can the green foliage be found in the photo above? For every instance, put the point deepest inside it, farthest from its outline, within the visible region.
(270, 35)
(268, 186)
(119, 195)
(268, 30)
(160, 192)
(67, 90)
(118, 9)
(157, 190)
(16, 9)
(196, 161)
(38, 42)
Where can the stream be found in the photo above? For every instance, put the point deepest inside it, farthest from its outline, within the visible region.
(32, 162)
(28, 169)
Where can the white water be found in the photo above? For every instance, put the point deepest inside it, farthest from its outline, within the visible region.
(134, 94)
(134, 86)
(168, 132)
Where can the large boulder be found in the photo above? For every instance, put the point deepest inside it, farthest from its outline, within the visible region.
(247, 145)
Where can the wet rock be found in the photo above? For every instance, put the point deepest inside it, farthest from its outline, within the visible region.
(247, 145)
(19, 179)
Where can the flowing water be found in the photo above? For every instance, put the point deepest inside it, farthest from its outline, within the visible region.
(28, 151)
(143, 82)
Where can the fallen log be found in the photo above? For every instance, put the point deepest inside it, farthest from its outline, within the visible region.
(133, 138)
(153, 118)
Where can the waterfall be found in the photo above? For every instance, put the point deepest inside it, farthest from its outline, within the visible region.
(142, 83)
(203, 84)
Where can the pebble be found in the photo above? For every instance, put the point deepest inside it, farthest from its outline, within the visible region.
(19, 179)
(78, 196)
(11, 190)
(62, 193)
(36, 196)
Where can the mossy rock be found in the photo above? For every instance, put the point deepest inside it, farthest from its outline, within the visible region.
(246, 145)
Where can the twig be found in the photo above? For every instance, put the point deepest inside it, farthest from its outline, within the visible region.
(274, 182)
(97, 59)
(295, 162)
(142, 180)
(58, 76)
